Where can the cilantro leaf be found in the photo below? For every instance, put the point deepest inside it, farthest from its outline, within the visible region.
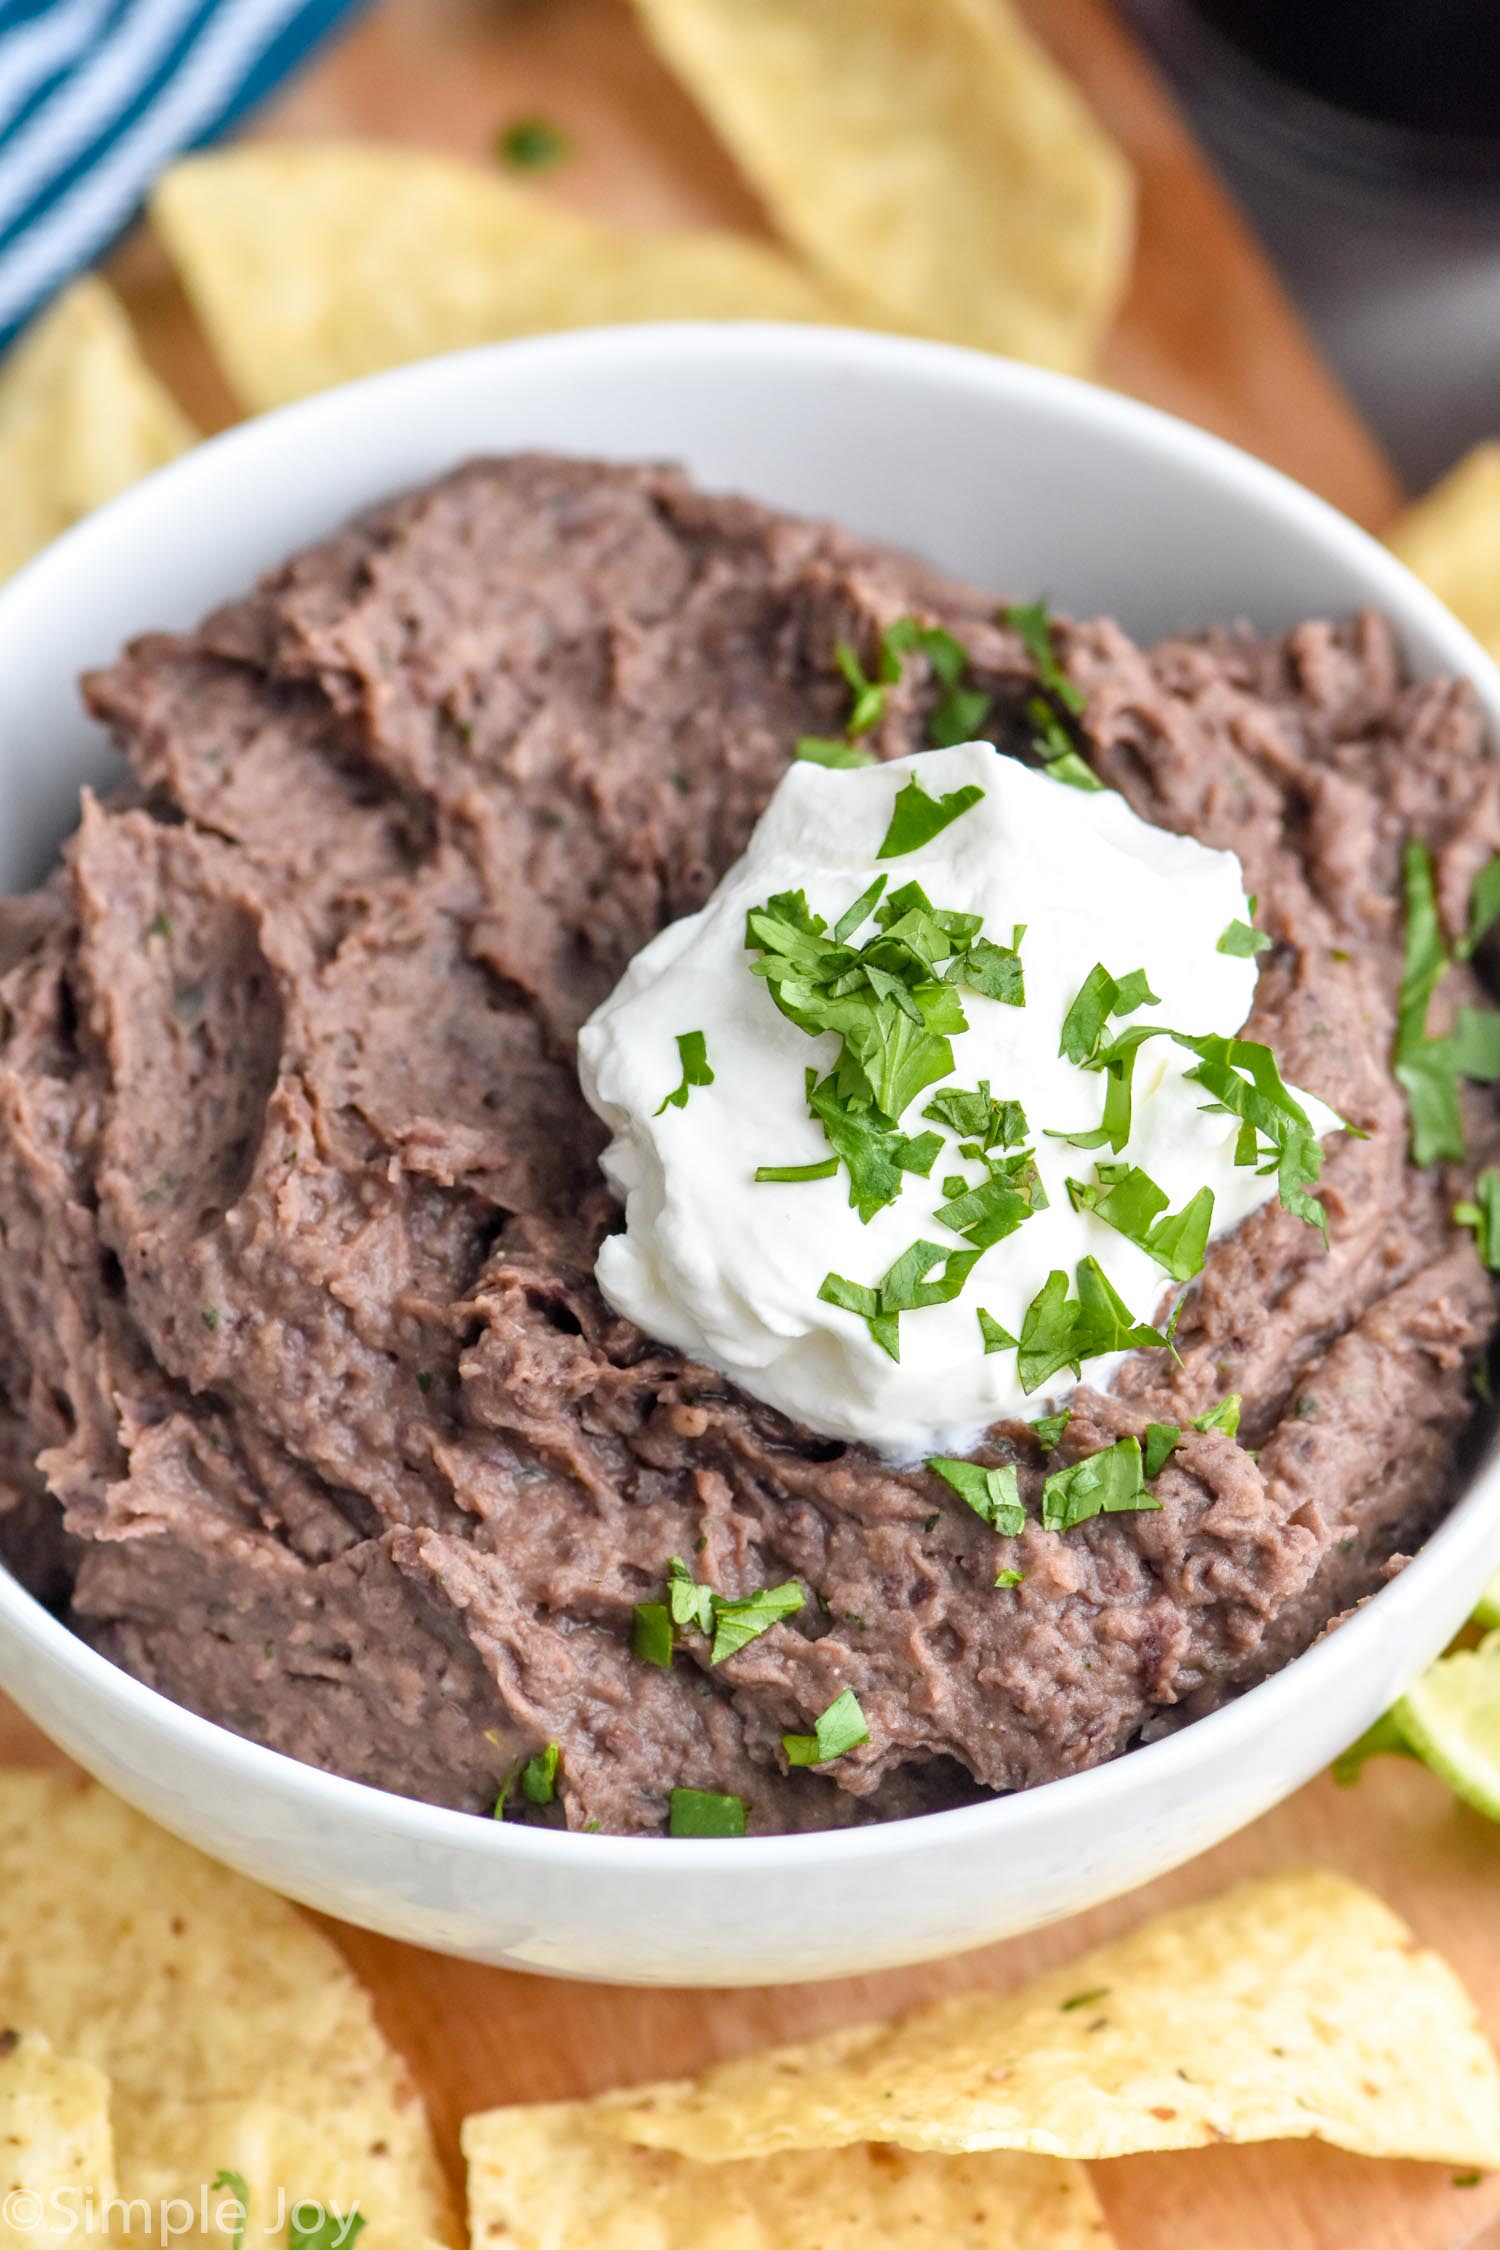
(1161, 1441)
(1426, 1068)
(704, 1812)
(1484, 909)
(994, 970)
(651, 1634)
(1106, 1483)
(908, 1286)
(993, 1494)
(1225, 1416)
(1034, 625)
(1476, 1044)
(1128, 1200)
(841, 1728)
(957, 716)
(1244, 1079)
(986, 1214)
(737, 1623)
(1069, 768)
(1483, 1215)
(1005, 1579)
(1243, 941)
(692, 1050)
(868, 707)
(978, 1117)
(996, 1338)
(1059, 1331)
(691, 1605)
(532, 144)
(539, 1775)
(833, 751)
(1049, 1429)
(1100, 997)
(235, 2184)
(327, 2229)
(916, 818)
(959, 712)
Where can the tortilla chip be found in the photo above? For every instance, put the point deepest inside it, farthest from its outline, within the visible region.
(56, 2163)
(81, 417)
(1294, 2008)
(312, 262)
(926, 155)
(1452, 540)
(197, 1992)
(549, 2178)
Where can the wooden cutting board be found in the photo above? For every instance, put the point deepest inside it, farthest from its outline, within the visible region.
(1207, 332)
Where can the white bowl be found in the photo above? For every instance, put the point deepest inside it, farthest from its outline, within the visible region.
(1023, 481)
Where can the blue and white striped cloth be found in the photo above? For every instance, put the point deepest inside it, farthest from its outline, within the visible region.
(97, 95)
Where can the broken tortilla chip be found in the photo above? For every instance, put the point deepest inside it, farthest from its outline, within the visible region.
(1452, 541)
(56, 2163)
(81, 417)
(927, 156)
(313, 262)
(548, 2178)
(1298, 2007)
(207, 2002)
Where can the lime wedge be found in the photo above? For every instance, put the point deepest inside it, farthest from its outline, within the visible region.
(1488, 1612)
(1451, 1718)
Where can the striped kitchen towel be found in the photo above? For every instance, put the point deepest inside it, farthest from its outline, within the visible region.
(97, 95)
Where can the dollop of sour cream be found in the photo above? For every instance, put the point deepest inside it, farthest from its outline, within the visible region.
(729, 1268)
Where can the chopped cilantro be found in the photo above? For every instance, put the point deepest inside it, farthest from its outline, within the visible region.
(1100, 997)
(1243, 1078)
(957, 716)
(842, 1727)
(996, 1338)
(916, 818)
(824, 1171)
(692, 1050)
(737, 1623)
(235, 2184)
(1161, 1440)
(1070, 768)
(1086, 1999)
(1060, 1331)
(1032, 622)
(993, 1494)
(906, 1287)
(160, 926)
(829, 750)
(979, 1117)
(691, 1605)
(868, 707)
(532, 144)
(539, 1776)
(986, 1214)
(1307, 1409)
(1005, 1579)
(651, 1633)
(1048, 1429)
(960, 711)
(312, 2226)
(1132, 1203)
(704, 1812)
(1484, 910)
(210, 1317)
(1106, 1483)
(1483, 1215)
(994, 970)
(1243, 941)
(1225, 1416)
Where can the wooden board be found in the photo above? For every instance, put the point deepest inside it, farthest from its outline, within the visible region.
(1207, 332)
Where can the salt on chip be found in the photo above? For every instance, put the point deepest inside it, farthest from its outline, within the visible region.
(1452, 540)
(81, 417)
(926, 155)
(56, 2159)
(194, 1990)
(312, 262)
(548, 2178)
(1293, 2008)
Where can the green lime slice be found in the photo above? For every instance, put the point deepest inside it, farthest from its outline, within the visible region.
(1451, 1718)
(1488, 1612)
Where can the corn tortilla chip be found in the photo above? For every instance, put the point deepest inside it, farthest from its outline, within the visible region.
(81, 417)
(1297, 2007)
(56, 2162)
(313, 262)
(548, 2178)
(1452, 540)
(927, 155)
(191, 1987)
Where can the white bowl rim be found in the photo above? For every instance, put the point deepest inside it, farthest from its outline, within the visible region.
(1102, 1788)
